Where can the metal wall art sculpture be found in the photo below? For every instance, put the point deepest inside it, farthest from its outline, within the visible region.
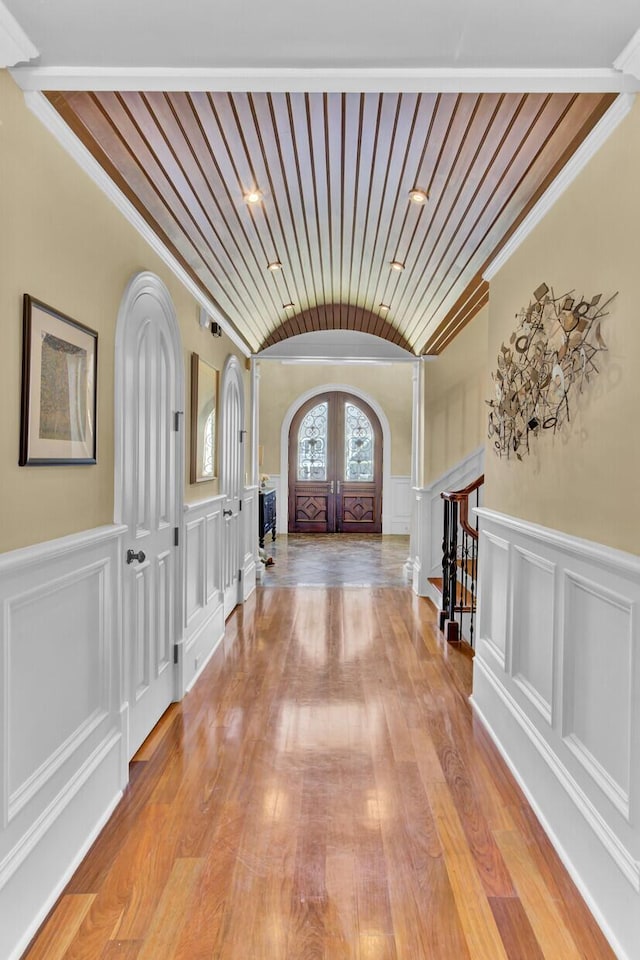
(551, 352)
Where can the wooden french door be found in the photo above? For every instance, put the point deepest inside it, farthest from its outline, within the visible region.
(335, 467)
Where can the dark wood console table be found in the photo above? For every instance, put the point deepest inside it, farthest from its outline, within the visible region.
(266, 514)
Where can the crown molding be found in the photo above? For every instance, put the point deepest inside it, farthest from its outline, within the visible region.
(15, 45)
(327, 79)
(589, 146)
(628, 62)
(52, 120)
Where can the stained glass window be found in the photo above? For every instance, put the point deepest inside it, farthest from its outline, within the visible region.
(312, 444)
(358, 444)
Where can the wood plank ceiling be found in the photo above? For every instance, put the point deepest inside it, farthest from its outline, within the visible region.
(334, 172)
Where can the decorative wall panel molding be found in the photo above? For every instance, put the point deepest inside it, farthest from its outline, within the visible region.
(401, 502)
(203, 605)
(494, 557)
(598, 670)
(533, 634)
(62, 765)
(562, 702)
(250, 551)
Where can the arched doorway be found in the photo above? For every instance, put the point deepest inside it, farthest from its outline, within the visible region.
(335, 466)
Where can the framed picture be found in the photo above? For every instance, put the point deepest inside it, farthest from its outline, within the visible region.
(59, 381)
(204, 407)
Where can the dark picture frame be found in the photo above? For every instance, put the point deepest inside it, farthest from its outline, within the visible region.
(59, 388)
(204, 412)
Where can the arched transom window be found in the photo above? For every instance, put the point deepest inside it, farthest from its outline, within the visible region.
(358, 444)
(312, 444)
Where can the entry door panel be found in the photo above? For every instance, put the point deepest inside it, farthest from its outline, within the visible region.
(314, 508)
(335, 467)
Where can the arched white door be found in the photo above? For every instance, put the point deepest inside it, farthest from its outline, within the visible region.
(232, 436)
(148, 495)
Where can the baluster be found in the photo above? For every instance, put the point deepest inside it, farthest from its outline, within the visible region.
(445, 563)
(453, 560)
(459, 587)
(474, 574)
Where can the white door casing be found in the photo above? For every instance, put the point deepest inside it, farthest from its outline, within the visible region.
(232, 434)
(149, 481)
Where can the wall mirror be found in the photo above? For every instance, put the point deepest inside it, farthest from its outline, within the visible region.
(204, 402)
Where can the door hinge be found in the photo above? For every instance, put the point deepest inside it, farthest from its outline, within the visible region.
(176, 536)
(176, 653)
(242, 435)
(240, 575)
(176, 420)
(240, 507)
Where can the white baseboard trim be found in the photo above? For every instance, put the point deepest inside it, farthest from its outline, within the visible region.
(76, 828)
(625, 862)
(249, 577)
(219, 614)
(567, 861)
(557, 685)
(65, 877)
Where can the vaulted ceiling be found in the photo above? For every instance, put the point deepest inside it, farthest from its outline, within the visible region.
(333, 112)
(334, 172)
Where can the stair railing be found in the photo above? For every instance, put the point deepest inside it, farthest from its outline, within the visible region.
(460, 561)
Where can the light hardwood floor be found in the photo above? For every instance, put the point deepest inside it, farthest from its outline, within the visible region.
(323, 792)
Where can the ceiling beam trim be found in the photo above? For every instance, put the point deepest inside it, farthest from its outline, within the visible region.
(15, 45)
(331, 80)
(51, 119)
(587, 149)
(629, 60)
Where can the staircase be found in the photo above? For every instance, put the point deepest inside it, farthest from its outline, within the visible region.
(458, 584)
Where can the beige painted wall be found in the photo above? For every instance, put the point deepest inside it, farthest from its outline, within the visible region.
(585, 480)
(456, 388)
(390, 386)
(64, 243)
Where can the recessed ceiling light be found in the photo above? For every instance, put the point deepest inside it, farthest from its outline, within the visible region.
(253, 196)
(288, 306)
(383, 307)
(396, 265)
(418, 196)
(274, 265)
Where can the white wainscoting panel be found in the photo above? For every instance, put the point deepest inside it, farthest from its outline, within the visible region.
(598, 671)
(559, 692)
(203, 604)
(250, 548)
(401, 503)
(533, 628)
(493, 605)
(195, 567)
(427, 521)
(62, 751)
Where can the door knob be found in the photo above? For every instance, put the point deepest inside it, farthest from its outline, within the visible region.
(132, 555)
(227, 513)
